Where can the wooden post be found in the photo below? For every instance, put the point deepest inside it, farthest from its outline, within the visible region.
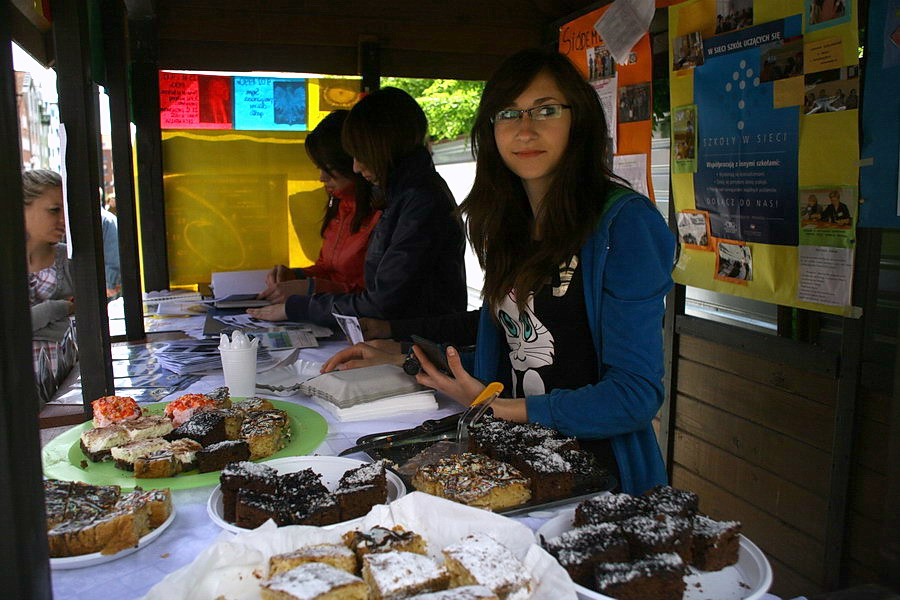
(675, 302)
(24, 568)
(369, 63)
(79, 113)
(116, 51)
(145, 107)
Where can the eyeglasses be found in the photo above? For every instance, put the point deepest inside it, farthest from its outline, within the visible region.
(537, 113)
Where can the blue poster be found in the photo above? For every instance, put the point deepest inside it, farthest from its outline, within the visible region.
(746, 148)
(268, 103)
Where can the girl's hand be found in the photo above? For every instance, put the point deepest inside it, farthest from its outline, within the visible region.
(273, 312)
(279, 292)
(361, 355)
(462, 387)
(278, 274)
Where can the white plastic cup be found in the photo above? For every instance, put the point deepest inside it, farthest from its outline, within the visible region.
(239, 366)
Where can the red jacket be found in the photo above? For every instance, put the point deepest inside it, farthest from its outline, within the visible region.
(340, 266)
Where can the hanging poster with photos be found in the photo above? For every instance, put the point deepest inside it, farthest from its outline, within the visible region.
(773, 107)
(624, 91)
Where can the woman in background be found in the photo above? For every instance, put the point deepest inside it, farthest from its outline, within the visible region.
(349, 219)
(414, 264)
(50, 285)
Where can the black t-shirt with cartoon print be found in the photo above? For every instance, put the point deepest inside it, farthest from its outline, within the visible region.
(550, 344)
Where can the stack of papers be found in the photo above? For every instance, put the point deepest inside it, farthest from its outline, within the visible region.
(381, 408)
(192, 356)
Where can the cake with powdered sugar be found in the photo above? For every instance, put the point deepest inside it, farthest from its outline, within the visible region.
(657, 577)
(658, 534)
(215, 456)
(609, 508)
(206, 428)
(381, 539)
(336, 555)
(220, 396)
(360, 489)
(668, 500)
(715, 544)
(479, 559)
(314, 581)
(469, 592)
(579, 550)
(398, 574)
(244, 475)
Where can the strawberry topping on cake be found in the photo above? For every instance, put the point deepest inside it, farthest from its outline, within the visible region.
(114, 409)
(182, 409)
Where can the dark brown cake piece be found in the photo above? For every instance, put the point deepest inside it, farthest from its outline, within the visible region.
(56, 494)
(550, 474)
(313, 509)
(609, 508)
(715, 544)
(245, 475)
(658, 535)
(252, 509)
(185, 450)
(234, 418)
(86, 501)
(382, 539)
(667, 500)
(491, 436)
(203, 427)
(301, 484)
(215, 456)
(220, 396)
(657, 577)
(586, 471)
(360, 489)
(580, 549)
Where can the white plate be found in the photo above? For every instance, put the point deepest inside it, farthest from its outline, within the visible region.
(330, 468)
(95, 558)
(749, 579)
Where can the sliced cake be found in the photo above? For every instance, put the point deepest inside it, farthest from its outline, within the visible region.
(608, 508)
(125, 455)
(360, 489)
(475, 480)
(382, 539)
(479, 559)
(206, 428)
(657, 577)
(216, 456)
(114, 409)
(314, 581)
(715, 543)
(336, 555)
(96, 443)
(400, 574)
(580, 549)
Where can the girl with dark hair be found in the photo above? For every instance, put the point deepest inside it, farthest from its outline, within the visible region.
(349, 219)
(414, 263)
(576, 265)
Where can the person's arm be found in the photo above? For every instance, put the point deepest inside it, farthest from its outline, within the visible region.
(459, 329)
(111, 252)
(636, 279)
(424, 213)
(47, 312)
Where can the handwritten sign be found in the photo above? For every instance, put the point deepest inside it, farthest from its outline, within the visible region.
(268, 103)
(188, 101)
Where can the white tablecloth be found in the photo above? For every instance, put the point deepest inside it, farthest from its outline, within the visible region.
(192, 530)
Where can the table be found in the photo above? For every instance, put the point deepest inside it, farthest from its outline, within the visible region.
(192, 531)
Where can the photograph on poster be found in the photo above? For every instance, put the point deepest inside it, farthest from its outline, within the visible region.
(606, 91)
(693, 229)
(290, 102)
(684, 132)
(734, 262)
(827, 208)
(831, 96)
(781, 59)
(826, 12)
(601, 63)
(733, 14)
(687, 51)
(634, 103)
(338, 94)
(215, 99)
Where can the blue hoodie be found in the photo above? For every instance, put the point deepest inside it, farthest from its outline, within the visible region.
(626, 266)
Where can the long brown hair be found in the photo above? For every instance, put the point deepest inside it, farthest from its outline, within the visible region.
(323, 146)
(384, 127)
(498, 215)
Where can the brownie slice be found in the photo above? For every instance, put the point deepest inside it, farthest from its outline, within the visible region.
(206, 428)
(314, 509)
(657, 577)
(579, 550)
(220, 396)
(244, 475)
(715, 544)
(215, 456)
(658, 535)
(588, 474)
(668, 500)
(609, 508)
(56, 495)
(360, 489)
(550, 474)
(252, 509)
(234, 418)
(300, 484)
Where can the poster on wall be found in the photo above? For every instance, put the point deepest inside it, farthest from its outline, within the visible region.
(192, 101)
(269, 103)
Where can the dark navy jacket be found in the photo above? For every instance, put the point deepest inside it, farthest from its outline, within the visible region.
(414, 264)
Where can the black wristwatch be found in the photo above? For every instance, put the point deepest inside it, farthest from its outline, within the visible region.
(411, 364)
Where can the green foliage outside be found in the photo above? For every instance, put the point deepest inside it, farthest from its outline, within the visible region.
(449, 104)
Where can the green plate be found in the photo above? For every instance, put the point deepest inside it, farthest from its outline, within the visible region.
(63, 457)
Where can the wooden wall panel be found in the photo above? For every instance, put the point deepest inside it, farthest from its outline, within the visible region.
(776, 538)
(874, 405)
(792, 415)
(869, 444)
(863, 540)
(775, 374)
(787, 583)
(867, 489)
(763, 489)
(786, 457)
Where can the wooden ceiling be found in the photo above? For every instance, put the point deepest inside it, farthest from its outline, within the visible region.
(460, 39)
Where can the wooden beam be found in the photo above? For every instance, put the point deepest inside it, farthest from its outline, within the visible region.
(145, 110)
(31, 38)
(79, 113)
(24, 564)
(116, 51)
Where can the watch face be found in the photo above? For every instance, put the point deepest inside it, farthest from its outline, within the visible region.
(411, 366)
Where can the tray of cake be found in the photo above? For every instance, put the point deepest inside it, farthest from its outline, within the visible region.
(89, 524)
(658, 545)
(183, 443)
(419, 547)
(300, 490)
(509, 468)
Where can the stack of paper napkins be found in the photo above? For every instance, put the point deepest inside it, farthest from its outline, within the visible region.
(369, 393)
